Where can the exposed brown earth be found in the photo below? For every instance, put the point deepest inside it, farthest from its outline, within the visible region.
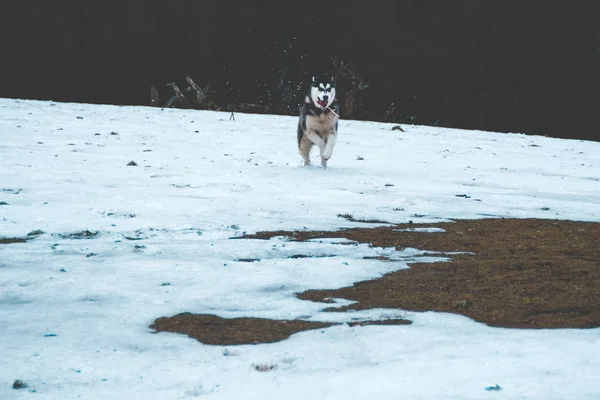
(516, 273)
(12, 240)
(211, 329)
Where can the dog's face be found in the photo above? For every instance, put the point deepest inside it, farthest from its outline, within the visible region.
(322, 92)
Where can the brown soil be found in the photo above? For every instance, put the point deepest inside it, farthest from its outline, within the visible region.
(510, 273)
(513, 273)
(382, 322)
(211, 329)
(12, 240)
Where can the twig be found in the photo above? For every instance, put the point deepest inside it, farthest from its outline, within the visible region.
(330, 109)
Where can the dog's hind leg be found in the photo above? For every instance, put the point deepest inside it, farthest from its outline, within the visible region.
(304, 146)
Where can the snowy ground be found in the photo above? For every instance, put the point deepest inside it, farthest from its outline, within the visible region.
(74, 312)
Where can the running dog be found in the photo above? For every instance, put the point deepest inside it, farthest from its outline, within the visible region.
(318, 121)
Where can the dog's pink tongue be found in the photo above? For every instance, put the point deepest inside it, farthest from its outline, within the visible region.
(322, 103)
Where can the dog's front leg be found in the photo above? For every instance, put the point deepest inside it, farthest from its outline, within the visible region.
(328, 151)
(316, 139)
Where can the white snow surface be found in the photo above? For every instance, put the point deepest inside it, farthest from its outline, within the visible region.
(75, 313)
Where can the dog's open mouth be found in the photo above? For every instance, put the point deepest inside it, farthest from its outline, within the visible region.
(322, 103)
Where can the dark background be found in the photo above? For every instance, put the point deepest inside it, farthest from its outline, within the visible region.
(511, 66)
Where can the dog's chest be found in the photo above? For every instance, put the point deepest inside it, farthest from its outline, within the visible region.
(322, 124)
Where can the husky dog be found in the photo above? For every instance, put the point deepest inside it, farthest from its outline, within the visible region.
(318, 120)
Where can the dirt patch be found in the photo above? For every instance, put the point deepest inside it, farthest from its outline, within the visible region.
(211, 329)
(31, 235)
(350, 217)
(78, 235)
(382, 322)
(13, 240)
(518, 273)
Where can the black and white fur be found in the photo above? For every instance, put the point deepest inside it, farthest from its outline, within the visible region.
(318, 123)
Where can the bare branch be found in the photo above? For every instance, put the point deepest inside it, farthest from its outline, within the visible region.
(180, 97)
